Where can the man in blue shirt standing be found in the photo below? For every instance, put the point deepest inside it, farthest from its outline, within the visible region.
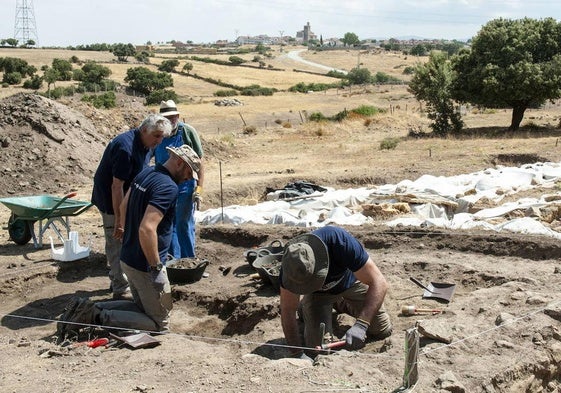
(332, 270)
(124, 157)
(147, 216)
(183, 238)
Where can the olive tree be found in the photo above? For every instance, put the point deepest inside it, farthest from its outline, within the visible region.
(146, 81)
(168, 65)
(511, 64)
(123, 51)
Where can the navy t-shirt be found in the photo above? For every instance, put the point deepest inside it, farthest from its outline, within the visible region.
(346, 255)
(153, 186)
(124, 157)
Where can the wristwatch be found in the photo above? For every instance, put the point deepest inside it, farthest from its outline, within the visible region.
(157, 267)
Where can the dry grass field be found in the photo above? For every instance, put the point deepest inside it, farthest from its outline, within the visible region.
(286, 146)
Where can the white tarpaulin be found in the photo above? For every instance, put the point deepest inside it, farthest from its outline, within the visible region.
(344, 206)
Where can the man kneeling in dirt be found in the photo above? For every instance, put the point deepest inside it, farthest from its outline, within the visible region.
(148, 213)
(332, 270)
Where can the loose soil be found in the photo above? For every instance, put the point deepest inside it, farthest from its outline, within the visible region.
(503, 320)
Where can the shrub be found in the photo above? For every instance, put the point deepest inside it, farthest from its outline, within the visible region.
(389, 143)
(12, 78)
(256, 90)
(34, 83)
(55, 93)
(336, 74)
(225, 93)
(236, 60)
(382, 77)
(366, 110)
(105, 100)
(317, 116)
(409, 70)
(341, 115)
(158, 96)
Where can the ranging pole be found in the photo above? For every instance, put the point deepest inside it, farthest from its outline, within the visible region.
(25, 28)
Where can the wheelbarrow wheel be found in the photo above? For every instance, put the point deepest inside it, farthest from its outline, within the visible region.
(19, 230)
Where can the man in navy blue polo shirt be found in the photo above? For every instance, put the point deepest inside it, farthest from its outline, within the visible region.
(333, 271)
(124, 157)
(148, 211)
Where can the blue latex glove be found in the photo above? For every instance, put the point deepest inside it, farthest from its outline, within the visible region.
(158, 279)
(356, 335)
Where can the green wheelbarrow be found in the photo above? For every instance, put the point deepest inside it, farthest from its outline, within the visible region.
(47, 210)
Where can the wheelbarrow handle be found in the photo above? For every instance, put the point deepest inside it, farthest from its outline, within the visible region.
(70, 195)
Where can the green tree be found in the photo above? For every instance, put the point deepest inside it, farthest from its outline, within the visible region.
(14, 64)
(12, 42)
(143, 57)
(123, 51)
(359, 76)
(432, 83)
(188, 67)
(50, 76)
(512, 64)
(30, 43)
(168, 65)
(419, 50)
(350, 39)
(64, 69)
(92, 74)
(146, 81)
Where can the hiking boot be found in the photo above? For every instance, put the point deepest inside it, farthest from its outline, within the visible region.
(68, 311)
(79, 312)
(126, 295)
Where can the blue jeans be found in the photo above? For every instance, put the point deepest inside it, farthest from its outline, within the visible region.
(183, 237)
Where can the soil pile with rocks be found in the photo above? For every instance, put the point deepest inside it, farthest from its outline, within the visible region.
(49, 147)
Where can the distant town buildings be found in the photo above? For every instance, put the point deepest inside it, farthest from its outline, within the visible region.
(303, 37)
(306, 35)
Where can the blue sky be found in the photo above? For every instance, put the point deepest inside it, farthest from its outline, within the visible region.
(74, 22)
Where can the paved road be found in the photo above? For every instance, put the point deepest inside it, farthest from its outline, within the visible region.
(295, 55)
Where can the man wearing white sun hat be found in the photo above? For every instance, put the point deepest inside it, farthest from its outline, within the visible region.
(190, 191)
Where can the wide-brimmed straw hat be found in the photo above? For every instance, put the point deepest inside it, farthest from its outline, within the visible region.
(168, 108)
(305, 263)
(187, 154)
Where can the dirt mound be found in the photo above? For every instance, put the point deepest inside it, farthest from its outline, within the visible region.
(49, 147)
